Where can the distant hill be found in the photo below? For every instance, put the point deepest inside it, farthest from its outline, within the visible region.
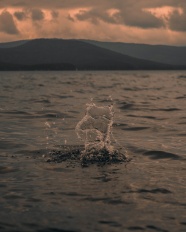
(13, 44)
(173, 55)
(59, 54)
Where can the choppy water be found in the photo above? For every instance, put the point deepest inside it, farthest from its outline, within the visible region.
(38, 114)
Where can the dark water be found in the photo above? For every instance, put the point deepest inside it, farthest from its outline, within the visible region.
(38, 113)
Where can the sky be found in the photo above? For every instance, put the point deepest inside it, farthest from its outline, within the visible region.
(131, 21)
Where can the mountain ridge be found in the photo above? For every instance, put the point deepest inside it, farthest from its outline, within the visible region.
(167, 54)
(70, 54)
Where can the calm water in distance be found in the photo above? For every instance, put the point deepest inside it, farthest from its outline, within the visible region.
(39, 111)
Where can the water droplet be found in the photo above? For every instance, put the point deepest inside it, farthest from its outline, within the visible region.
(95, 129)
(48, 124)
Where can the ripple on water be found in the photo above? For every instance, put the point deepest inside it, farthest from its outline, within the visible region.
(152, 227)
(6, 145)
(108, 200)
(161, 155)
(139, 128)
(5, 169)
(110, 223)
(126, 106)
(182, 76)
(136, 228)
(155, 191)
(56, 230)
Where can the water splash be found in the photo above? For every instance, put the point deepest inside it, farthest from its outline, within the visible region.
(95, 129)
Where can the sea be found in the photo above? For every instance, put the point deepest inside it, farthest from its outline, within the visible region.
(39, 112)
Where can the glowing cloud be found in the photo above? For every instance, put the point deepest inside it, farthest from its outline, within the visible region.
(144, 21)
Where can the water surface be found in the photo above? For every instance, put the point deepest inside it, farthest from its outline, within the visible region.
(39, 112)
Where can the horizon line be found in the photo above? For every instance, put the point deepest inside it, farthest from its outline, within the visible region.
(100, 41)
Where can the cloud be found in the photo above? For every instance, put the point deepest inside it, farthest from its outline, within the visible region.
(85, 15)
(137, 17)
(177, 21)
(54, 14)
(20, 15)
(130, 12)
(7, 24)
(70, 18)
(143, 21)
(95, 15)
(133, 17)
(37, 14)
(66, 4)
(34, 14)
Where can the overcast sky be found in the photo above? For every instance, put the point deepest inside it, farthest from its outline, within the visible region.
(133, 21)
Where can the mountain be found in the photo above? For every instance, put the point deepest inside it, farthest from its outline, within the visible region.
(60, 54)
(158, 53)
(13, 44)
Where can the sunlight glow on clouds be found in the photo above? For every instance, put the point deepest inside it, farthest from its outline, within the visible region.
(144, 21)
(165, 11)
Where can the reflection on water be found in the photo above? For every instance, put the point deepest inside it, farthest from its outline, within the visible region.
(39, 112)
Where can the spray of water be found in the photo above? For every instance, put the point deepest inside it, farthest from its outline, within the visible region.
(95, 129)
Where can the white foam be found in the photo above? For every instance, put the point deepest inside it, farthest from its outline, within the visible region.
(95, 127)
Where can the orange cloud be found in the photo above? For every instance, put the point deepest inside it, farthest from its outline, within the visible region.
(7, 24)
(158, 22)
